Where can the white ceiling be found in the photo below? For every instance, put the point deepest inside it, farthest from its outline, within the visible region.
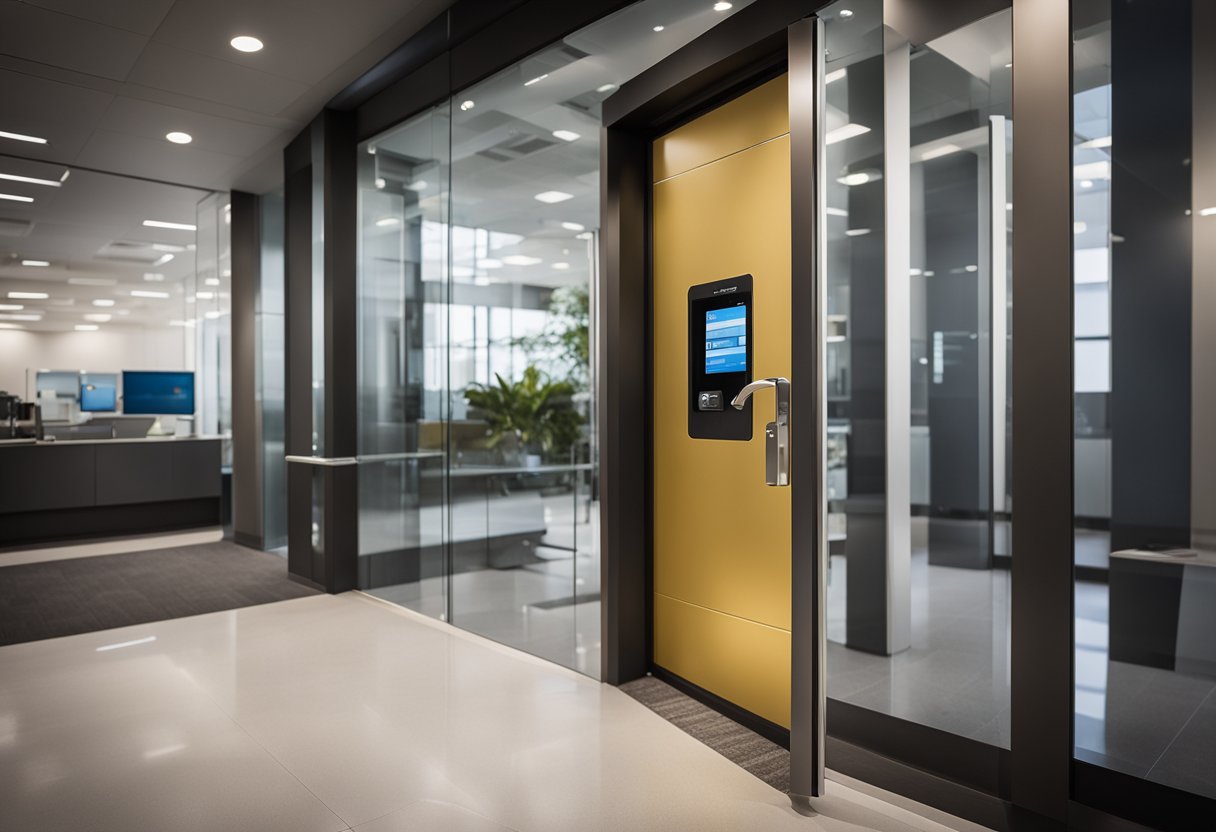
(104, 82)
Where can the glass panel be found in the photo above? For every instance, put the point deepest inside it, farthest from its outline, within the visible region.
(1144, 184)
(402, 364)
(271, 370)
(919, 277)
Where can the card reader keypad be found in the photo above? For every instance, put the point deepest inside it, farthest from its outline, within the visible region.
(709, 400)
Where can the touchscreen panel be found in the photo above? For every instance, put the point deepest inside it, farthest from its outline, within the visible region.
(726, 340)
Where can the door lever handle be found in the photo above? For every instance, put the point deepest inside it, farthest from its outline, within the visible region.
(777, 432)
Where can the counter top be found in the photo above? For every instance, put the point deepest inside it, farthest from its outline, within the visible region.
(74, 442)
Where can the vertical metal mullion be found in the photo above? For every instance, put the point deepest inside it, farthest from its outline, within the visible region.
(1042, 593)
(808, 687)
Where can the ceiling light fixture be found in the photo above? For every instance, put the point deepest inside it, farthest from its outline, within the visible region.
(536, 80)
(467, 104)
(246, 43)
(28, 295)
(845, 14)
(21, 137)
(417, 186)
(387, 222)
(162, 260)
(1087, 183)
(37, 263)
(1208, 212)
(1100, 142)
(174, 226)
(25, 316)
(1080, 227)
(11, 307)
(205, 295)
(10, 326)
(521, 260)
(16, 198)
(722, 7)
(586, 235)
(551, 197)
(212, 281)
(857, 232)
(566, 135)
(859, 178)
(103, 302)
(574, 226)
(561, 267)
(12, 177)
(181, 323)
(87, 327)
(835, 212)
(92, 281)
(971, 268)
(659, 28)
(65, 176)
(99, 317)
(178, 137)
(605, 88)
(144, 293)
(848, 131)
(940, 150)
(154, 277)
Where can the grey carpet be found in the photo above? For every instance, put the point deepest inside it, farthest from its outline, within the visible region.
(66, 597)
(747, 749)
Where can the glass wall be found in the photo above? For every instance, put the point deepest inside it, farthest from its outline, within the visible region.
(1144, 182)
(919, 291)
(478, 272)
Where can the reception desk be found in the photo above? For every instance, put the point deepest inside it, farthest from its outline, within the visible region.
(51, 491)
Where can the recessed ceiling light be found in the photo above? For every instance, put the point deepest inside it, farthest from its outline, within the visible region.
(971, 268)
(99, 317)
(1080, 227)
(1087, 183)
(536, 80)
(246, 43)
(11, 307)
(175, 226)
(857, 232)
(12, 177)
(388, 222)
(212, 281)
(1207, 212)
(845, 13)
(561, 266)
(37, 263)
(87, 327)
(490, 263)
(23, 316)
(574, 226)
(659, 28)
(846, 131)
(178, 137)
(380, 183)
(520, 260)
(551, 197)
(467, 104)
(65, 176)
(722, 7)
(16, 198)
(586, 235)
(92, 281)
(566, 135)
(103, 302)
(21, 137)
(605, 88)
(1009, 65)
(28, 295)
(144, 293)
(154, 277)
(835, 212)
(859, 178)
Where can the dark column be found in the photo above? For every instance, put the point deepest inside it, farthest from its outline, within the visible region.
(1150, 302)
(247, 520)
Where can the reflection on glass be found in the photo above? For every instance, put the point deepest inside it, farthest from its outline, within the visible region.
(919, 294)
(1144, 191)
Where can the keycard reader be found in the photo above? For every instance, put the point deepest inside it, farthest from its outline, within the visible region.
(719, 358)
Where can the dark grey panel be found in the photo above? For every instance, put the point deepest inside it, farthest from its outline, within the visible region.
(46, 477)
(246, 439)
(921, 21)
(133, 472)
(196, 469)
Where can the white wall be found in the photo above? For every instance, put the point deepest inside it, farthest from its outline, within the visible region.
(109, 350)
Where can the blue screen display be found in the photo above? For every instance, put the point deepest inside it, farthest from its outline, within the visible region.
(158, 393)
(726, 340)
(98, 392)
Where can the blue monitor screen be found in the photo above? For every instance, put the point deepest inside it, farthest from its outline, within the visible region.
(158, 393)
(98, 392)
(726, 340)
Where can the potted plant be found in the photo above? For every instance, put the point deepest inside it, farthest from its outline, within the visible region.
(536, 411)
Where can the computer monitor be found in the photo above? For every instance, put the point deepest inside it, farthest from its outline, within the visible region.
(167, 393)
(98, 392)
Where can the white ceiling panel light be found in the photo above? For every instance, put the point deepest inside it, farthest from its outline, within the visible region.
(212, 281)
(145, 293)
(16, 198)
(98, 317)
(566, 135)
(162, 260)
(154, 277)
(602, 88)
(50, 183)
(21, 137)
(92, 281)
(178, 137)
(467, 105)
(1208, 212)
(574, 226)
(659, 28)
(28, 295)
(835, 212)
(19, 316)
(536, 80)
(561, 267)
(11, 307)
(520, 260)
(246, 43)
(848, 131)
(205, 295)
(10, 326)
(172, 226)
(723, 6)
(857, 232)
(388, 222)
(103, 302)
(845, 14)
(87, 327)
(41, 264)
(552, 197)
(586, 235)
(860, 177)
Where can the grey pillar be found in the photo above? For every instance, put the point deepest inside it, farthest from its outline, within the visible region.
(247, 520)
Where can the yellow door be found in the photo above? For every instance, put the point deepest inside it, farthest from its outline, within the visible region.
(721, 536)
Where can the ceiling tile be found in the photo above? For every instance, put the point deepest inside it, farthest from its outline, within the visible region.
(141, 16)
(156, 159)
(176, 70)
(68, 42)
(62, 114)
(149, 120)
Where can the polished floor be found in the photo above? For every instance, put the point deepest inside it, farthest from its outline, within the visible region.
(337, 712)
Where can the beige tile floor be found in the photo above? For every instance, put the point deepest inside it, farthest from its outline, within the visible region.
(332, 713)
